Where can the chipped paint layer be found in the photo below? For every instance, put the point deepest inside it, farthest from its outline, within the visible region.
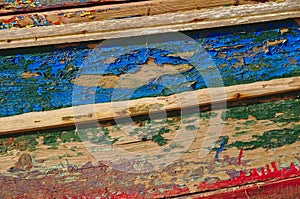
(259, 142)
(58, 165)
(24, 17)
(89, 185)
(240, 53)
(32, 5)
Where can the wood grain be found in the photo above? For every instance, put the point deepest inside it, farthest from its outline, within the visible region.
(261, 143)
(233, 50)
(109, 111)
(143, 7)
(170, 22)
(114, 11)
(255, 154)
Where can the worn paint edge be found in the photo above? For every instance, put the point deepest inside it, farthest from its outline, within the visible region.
(252, 181)
(261, 189)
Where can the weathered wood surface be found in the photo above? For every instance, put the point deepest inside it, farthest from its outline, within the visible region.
(109, 111)
(258, 143)
(252, 53)
(45, 32)
(249, 150)
(127, 10)
(12, 6)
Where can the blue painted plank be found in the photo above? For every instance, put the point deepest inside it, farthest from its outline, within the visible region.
(242, 54)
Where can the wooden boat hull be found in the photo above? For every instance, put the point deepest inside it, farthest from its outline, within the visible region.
(205, 113)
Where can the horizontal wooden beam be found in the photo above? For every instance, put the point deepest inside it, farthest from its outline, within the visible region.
(111, 11)
(257, 144)
(170, 22)
(139, 107)
(7, 7)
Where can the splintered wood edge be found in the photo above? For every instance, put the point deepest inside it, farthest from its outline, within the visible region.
(170, 22)
(34, 121)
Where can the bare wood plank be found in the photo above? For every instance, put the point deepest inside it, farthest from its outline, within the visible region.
(156, 6)
(171, 22)
(103, 12)
(109, 111)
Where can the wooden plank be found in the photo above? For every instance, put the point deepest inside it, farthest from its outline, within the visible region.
(12, 6)
(254, 144)
(258, 144)
(153, 5)
(98, 13)
(39, 79)
(108, 111)
(170, 22)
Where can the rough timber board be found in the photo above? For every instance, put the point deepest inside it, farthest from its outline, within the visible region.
(259, 143)
(11, 6)
(170, 22)
(117, 11)
(243, 54)
(140, 107)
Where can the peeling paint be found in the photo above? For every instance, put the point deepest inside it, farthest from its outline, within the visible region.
(55, 68)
